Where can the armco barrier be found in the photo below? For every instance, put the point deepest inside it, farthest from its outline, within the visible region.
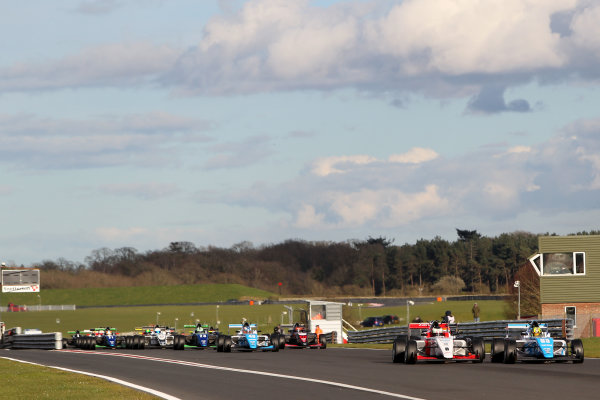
(44, 341)
(486, 330)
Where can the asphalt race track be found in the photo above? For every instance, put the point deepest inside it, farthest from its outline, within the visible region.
(335, 373)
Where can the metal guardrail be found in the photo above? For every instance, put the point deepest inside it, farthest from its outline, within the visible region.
(43, 341)
(59, 307)
(487, 330)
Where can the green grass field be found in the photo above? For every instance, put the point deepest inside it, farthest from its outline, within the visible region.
(16, 379)
(137, 295)
(125, 319)
(491, 310)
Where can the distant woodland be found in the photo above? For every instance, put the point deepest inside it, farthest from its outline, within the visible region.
(372, 267)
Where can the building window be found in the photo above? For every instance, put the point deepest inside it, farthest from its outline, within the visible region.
(552, 264)
(318, 312)
(571, 313)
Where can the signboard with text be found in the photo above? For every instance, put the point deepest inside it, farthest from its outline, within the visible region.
(20, 281)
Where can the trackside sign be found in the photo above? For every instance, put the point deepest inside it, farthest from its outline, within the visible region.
(20, 281)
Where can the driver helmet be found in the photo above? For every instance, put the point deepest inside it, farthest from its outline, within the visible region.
(537, 331)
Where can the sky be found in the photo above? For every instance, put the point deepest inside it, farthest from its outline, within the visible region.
(137, 123)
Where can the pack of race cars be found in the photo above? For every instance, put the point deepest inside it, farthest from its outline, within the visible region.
(428, 342)
(245, 338)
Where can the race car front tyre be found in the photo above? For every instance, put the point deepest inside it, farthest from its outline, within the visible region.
(220, 340)
(275, 342)
(478, 349)
(178, 342)
(510, 351)
(410, 354)
(398, 349)
(497, 350)
(577, 351)
(91, 345)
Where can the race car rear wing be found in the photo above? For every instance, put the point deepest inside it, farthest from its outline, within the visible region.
(240, 326)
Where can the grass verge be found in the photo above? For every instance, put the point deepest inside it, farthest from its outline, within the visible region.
(138, 295)
(16, 379)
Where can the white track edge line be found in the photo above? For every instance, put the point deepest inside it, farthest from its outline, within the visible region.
(209, 366)
(108, 378)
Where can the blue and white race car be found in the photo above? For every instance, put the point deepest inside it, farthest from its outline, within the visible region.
(247, 339)
(201, 337)
(532, 341)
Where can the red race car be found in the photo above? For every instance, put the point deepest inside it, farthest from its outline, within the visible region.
(434, 342)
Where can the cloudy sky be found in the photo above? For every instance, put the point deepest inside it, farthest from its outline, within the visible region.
(141, 122)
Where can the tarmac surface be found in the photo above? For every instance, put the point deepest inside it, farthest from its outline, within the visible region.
(334, 373)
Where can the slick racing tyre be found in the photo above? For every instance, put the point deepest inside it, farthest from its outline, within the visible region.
(577, 351)
(410, 355)
(227, 344)
(510, 351)
(398, 349)
(220, 340)
(275, 342)
(497, 350)
(478, 349)
(323, 341)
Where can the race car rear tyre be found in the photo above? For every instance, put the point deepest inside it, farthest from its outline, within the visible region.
(510, 351)
(478, 349)
(323, 341)
(410, 354)
(497, 353)
(227, 344)
(577, 351)
(78, 342)
(281, 342)
(220, 340)
(398, 349)
(128, 342)
(91, 343)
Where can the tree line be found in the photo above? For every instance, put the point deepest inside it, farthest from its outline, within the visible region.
(472, 263)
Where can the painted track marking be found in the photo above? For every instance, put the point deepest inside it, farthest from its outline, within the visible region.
(108, 378)
(263, 373)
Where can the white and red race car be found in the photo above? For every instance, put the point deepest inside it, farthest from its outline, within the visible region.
(434, 342)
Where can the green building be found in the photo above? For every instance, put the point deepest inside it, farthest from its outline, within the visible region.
(569, 271)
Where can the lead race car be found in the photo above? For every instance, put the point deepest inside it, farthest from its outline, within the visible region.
(533, 342)
(247, 339)
(434, 342)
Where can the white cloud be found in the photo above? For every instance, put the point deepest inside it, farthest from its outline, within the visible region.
(439, 48)
(307, 217)
(339, 164)
(118, 64)
(519, 149)
(416, 155)
(499, 183)
(33, 142)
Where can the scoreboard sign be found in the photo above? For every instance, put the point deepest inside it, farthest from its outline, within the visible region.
(20, 281)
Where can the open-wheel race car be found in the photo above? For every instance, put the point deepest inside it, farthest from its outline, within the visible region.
(435, 342)
(155, 337)
(532, 342)
(247, 338)
(301, 338)
(89, 339)
(201, 337)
